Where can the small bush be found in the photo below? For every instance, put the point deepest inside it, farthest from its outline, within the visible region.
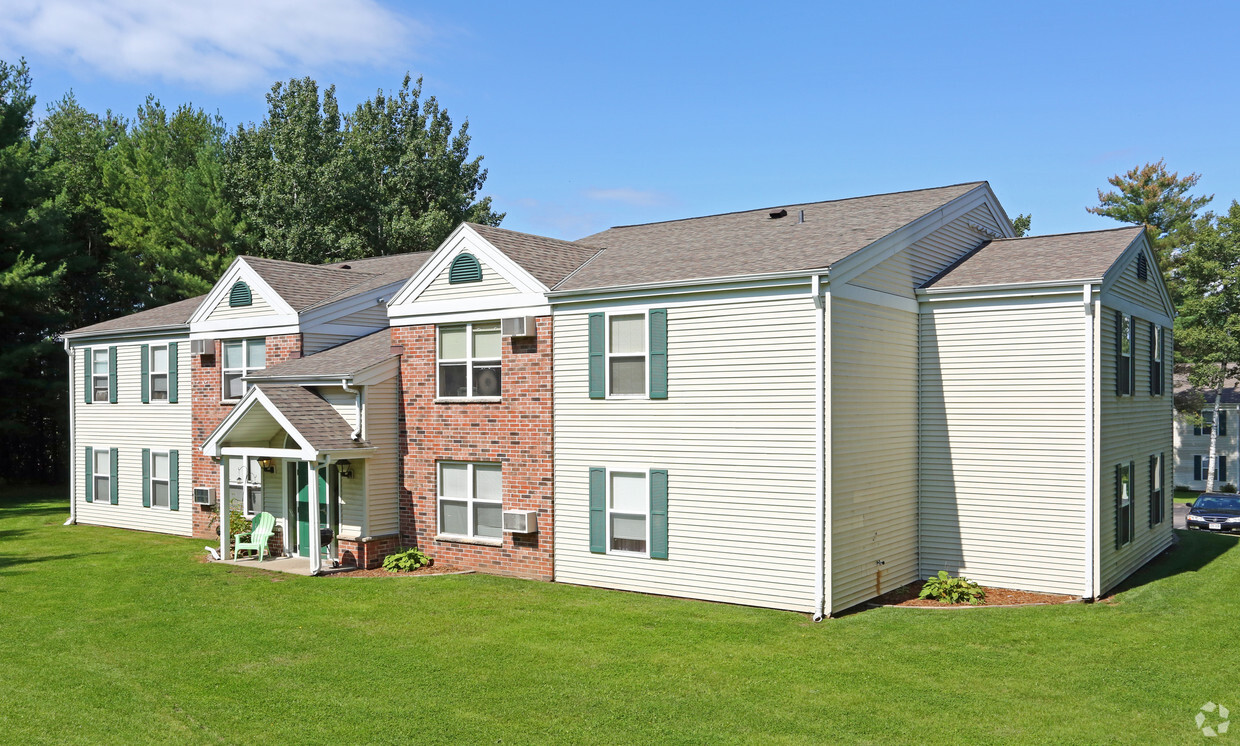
(406, 560)
(1229, 487)
(946, 589)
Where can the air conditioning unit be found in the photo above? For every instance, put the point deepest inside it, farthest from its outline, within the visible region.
(204, 495)
(521, 326)
(521, 521)
(202, 347)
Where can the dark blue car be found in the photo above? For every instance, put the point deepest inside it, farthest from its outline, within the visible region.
(1215, 511)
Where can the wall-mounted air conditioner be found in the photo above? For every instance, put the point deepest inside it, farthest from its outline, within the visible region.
(521, 326)
(204, 495)
(202, 347)
(521, 521)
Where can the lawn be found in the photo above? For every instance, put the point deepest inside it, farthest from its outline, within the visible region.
(122, 637)
(1185, 496)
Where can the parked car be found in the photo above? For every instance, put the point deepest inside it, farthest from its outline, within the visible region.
(1215, 511)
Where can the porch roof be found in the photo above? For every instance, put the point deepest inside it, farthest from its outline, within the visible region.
(269, 410)
(312, 417)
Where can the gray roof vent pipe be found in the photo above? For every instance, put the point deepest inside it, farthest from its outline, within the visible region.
(801, 217)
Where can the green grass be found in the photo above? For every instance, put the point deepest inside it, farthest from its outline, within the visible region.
(114, 636)
(1185, 496)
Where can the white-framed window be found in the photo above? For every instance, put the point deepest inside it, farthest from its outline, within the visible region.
(469, 361)
(245, 485)
(628, 512)
(102, 473)
(1123, 512)
(241, 356)
(159, 373)
(626, 354)
(160, 479)
(99, 374)
(470, 500)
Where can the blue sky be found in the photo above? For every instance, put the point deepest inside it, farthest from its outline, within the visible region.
(591, 115)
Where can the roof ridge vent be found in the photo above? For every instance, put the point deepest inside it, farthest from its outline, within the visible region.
(780, 213)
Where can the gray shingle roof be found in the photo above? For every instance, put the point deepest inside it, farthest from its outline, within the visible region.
(342, 360)
(311, 416)
(170, 315)
(751, 242)
(1061, 257)
(307, 286)
(548, 259)
(1231, 389)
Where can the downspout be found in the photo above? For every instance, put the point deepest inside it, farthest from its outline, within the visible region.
(357, 404)
(821, 547)
(72, 439)
(1090, 477)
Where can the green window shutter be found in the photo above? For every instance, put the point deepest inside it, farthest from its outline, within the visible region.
(1222, 469)
(112, 374)
(1132, 502)
(1120, 376)
(172, 372)
(146, 374)
(146, 477)
(1196, 468)
(1119, 510)
(1153, 494)
(114, 482)
(465, 268)
(658, 513)
(598, 510)
(658, 353)
(88, 389)
(1162, 473)
(1153, 364)
(1130, 386)
(174, 482)
(1197, 428)
(240, 295)
(597, 357)
(90, 474)
(1222, 423)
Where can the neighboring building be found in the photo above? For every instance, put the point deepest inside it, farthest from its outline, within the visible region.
(797, 408)
(1192, 440)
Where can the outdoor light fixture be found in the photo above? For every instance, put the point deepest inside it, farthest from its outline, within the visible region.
(345, 468)
(267, 465)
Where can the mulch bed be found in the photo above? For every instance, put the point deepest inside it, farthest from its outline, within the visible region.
(379, 572)
(907, 596)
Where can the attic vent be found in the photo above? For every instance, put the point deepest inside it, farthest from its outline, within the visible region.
(240, 295)
(465, 268)
(1143, 268)
(776, 214)
(345, 266)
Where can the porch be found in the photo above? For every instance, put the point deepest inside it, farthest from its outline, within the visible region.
(290, 565)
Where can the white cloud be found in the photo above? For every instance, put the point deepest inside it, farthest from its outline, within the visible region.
(218, 44)
(627, 196)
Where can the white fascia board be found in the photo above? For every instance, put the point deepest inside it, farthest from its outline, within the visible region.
(998, 213)
(129, 336)
(377, 373)
(884, 248)
(254, 397)
(876, 297)
(239, 270)
(373, 374)
(350, 305)
(299, 455)
(482, 303)
(463, 239)
(770, 282)
(261, 326)
(1065, 286)
(350, 452)
(448, 311)
(1132, 309)
(1140, 244)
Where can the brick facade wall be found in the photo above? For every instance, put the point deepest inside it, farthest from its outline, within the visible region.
(208, 412)
(368, 554)
(515, 433)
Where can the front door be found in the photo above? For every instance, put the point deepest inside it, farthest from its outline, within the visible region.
(302, 486)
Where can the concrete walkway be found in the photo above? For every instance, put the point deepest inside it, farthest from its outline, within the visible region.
(291, 565)
(1180, 517)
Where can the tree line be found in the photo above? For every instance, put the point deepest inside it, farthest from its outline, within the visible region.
(103, 215)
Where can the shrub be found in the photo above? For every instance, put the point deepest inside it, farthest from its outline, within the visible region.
(949, 590)
(406, 560)
(1229, 487)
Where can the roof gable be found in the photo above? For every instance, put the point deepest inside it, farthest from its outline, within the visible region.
(304, 416)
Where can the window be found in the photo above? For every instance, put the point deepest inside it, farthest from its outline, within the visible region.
(1200, 469)
(1125, 342)
(159, 373)
(628, 502)
(240, 357)
(160, 486)
(99, 374)
(1123, 504)
(470, 501)
(102, 459)
(1158, 508)
(469, 360)
(245, 485)
(1156, 360)
(1206, 426)
(626, 355)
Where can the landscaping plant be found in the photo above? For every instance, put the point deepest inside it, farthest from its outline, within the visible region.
(946, 589)
(406, 560)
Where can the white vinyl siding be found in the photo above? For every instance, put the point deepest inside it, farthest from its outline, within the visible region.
(129, 426)
(1003, 427)
(909, 268)
(381, 469)
(258, 307)
(736, 436)
(874, 454)
(1188, 444)
(337, 331)
(1130, 429)
(491, 284)
(1125, 285)
(342, 401)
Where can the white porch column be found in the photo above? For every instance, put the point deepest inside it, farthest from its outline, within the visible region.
(316, 560)
(222, 503)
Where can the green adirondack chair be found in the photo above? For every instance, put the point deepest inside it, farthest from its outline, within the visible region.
(261, 529)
